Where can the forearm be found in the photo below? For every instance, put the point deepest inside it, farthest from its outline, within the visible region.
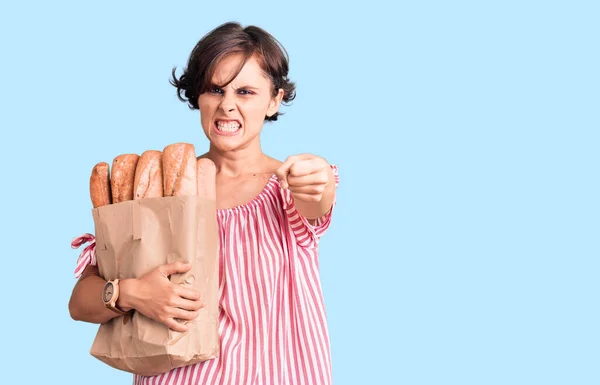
(86, 300)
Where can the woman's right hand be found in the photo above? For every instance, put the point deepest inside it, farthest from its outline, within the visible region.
(156, 297)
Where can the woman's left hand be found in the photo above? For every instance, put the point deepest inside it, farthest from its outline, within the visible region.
(307, 176)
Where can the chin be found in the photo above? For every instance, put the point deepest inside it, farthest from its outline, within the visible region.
(226, 145)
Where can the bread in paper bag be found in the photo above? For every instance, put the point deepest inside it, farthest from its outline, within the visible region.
(136, 236)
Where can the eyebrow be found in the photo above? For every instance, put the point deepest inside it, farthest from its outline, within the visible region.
(213, 84)
(248, 87)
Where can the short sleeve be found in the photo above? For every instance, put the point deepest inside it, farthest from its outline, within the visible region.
(307, 234)
(87, 255)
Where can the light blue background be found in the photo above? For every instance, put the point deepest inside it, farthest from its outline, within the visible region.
(464, 248)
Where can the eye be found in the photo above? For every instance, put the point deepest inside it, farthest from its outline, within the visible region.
(215, 90)
(245, 92)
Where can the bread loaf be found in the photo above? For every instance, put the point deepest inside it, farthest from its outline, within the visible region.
(100, 185)
(123, 177)
(148, 181)
(206, 174)
(179, 170)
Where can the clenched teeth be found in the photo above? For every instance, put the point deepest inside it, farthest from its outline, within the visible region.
(228, 126)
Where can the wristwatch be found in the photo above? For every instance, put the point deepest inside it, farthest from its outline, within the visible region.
(110, 295)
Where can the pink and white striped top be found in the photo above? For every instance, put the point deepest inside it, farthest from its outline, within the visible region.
(272, 321)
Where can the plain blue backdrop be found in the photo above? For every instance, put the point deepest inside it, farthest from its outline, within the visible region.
(464, 248)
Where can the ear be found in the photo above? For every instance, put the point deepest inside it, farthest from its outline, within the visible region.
(275, 103)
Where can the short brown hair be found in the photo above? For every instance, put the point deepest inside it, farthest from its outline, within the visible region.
(231, 38)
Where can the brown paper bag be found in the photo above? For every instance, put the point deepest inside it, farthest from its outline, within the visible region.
(134, 237)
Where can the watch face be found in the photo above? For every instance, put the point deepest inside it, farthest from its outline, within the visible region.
(108, 292)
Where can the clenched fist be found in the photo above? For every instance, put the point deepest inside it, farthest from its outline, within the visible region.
(306, 176)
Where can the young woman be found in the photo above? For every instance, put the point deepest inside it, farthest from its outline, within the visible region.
(271, 215)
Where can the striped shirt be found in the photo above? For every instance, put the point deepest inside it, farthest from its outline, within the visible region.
(272, 320)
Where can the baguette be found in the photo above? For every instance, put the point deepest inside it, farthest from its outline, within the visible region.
(123, 177)
(179, 170)
(206, 172)
(148, 181)
(100, 191)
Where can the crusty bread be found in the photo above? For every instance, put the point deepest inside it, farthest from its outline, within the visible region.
(123, 177)
(100, 185)
(179, 170)
(148, 181)
(207, 173)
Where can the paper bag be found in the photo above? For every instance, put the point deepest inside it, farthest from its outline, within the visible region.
(133, 238)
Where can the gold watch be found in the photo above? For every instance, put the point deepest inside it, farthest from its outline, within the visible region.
(110, 295)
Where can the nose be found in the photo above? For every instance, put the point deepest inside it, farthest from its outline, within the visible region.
(227, 103)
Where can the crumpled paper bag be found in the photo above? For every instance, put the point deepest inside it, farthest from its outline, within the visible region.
(133, 238)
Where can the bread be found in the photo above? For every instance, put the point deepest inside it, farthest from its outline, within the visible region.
(148, 182)
(100, 191)
(179, 170)
(123, 177)
(206, 174)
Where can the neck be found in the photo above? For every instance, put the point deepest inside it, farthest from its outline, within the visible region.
(249, 160)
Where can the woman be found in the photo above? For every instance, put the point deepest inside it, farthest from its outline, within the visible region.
(271, 215)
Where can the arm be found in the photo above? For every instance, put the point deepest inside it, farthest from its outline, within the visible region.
(153, 295)
(86, 300)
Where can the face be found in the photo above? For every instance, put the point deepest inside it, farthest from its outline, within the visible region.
(232, 116)
(108, 292)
